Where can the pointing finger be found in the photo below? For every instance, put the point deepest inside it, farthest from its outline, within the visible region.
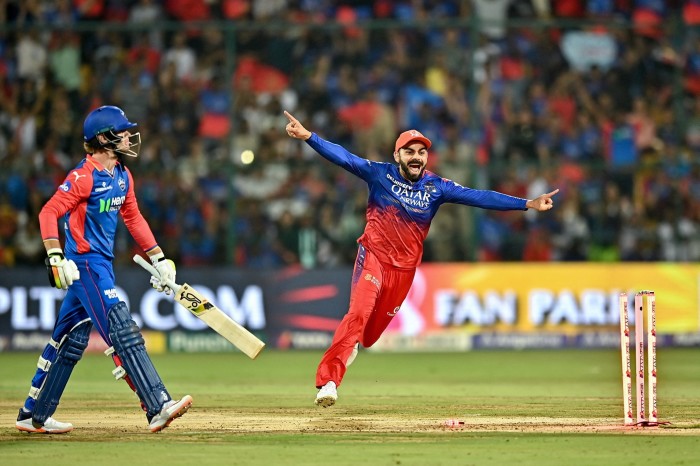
(290, 117)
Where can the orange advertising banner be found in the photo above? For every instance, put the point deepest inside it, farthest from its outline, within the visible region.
(564, 298)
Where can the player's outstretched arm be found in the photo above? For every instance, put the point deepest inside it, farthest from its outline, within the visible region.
(542, 203)
(330, 151)
(296, 129)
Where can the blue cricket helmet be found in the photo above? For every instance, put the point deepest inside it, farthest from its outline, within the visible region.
(104, 119)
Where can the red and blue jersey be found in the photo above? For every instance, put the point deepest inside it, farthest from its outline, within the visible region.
(399, 212)
(90, 200)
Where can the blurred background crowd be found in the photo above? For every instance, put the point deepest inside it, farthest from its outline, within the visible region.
(600, 98)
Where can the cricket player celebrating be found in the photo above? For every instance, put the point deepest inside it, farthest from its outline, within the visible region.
(90, 199)
(403, 199)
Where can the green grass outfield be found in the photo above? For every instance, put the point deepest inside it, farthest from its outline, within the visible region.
(519, 407)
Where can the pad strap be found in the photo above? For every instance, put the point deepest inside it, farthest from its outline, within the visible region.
(128, 344)
(69, 353)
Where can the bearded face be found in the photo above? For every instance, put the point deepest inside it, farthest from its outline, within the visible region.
(412, 160)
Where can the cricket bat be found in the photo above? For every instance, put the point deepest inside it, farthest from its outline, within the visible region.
(190, 299)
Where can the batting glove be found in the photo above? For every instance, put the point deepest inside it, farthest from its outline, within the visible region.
(166, 270)
(62, 272)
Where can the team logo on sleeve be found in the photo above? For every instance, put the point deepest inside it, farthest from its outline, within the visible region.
(122, 183)
(65, 187)
(447, 180)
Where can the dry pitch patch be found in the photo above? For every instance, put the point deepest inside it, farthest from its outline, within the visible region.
(206, 423)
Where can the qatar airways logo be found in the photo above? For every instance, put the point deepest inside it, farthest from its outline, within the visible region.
(409, 196)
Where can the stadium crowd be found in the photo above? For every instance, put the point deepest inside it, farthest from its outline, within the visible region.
(600, 98)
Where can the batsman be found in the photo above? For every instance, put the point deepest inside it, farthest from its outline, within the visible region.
(403, 199)
(90, 200)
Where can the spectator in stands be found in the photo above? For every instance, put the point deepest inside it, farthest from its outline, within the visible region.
(511, 97)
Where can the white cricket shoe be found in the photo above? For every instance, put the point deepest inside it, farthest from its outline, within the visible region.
(353, 355)
(327, 395)
(169, 412)
(51, 426)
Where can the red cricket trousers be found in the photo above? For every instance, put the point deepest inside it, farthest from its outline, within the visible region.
(376, 293)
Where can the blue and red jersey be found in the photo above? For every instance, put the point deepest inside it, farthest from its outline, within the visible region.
(90, 200)
(399, 212)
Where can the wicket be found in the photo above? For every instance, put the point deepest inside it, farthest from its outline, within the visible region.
(644, 302)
